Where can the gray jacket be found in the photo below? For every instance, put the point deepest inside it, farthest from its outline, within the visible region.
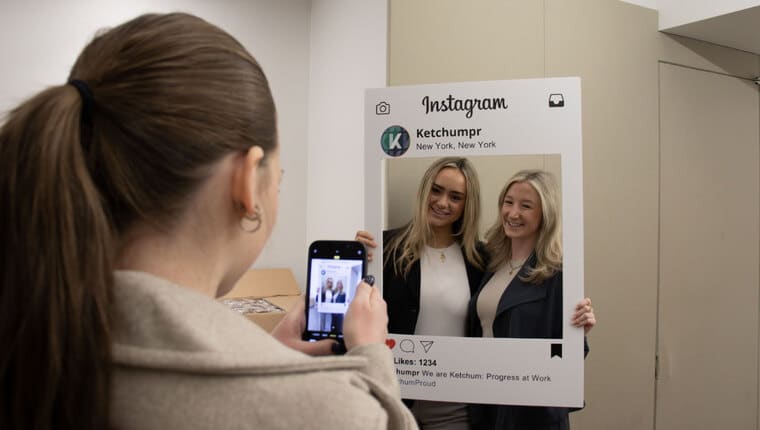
(184, 361)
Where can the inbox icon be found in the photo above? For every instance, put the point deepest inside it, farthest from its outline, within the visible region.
(556, 100)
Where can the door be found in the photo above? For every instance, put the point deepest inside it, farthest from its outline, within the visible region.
(707, 339)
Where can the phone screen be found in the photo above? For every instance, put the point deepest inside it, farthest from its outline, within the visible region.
(335, 270)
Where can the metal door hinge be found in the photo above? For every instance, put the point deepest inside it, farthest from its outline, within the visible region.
(656, 366)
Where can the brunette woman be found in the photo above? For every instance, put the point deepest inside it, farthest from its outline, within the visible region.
(130, 197)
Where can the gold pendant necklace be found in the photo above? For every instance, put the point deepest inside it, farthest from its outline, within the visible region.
(515, 267)
(443, 257)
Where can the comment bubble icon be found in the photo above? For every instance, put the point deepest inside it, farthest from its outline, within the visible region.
(406, 345)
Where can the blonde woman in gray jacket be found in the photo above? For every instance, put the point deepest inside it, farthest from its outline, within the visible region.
(130, 197)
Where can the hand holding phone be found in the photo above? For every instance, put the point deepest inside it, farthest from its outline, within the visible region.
(367, 318)
(335, 270)
(290, 329)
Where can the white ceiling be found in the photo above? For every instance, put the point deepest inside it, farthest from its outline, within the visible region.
(651, 4)
(739, 30)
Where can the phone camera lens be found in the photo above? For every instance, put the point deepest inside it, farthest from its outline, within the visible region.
(359, 252)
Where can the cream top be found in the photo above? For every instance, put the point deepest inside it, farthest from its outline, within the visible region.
(488, 300)
(444, 292)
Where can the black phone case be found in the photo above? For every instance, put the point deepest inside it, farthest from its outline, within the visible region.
(331, 253)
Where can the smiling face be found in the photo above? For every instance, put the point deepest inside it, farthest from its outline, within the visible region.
(521, 212)
(447, 198)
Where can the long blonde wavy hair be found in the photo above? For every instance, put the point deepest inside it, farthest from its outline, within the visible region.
(407, 246)
(549, 244)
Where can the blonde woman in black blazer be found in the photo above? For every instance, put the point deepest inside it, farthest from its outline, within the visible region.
(432, 266)
(520, 296)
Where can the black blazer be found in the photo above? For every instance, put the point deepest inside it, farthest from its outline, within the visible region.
(525, 310)
(402, 293)
(339, 298)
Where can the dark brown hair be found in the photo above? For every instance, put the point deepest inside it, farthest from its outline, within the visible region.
(172, 94)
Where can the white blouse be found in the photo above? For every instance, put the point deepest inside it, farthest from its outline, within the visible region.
(444, 292)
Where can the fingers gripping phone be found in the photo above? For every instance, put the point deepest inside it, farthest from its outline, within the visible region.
(335, 269)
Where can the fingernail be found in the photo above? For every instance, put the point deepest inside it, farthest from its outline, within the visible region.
(338, 348)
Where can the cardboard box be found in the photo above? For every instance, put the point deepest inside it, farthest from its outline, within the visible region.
(264, 295)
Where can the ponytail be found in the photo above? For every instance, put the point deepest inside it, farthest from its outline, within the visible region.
(56, 254)
(171, 95)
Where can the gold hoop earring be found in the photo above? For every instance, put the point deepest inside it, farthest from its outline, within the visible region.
(251, 223)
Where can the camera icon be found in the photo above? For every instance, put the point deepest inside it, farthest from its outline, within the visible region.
(382, 108)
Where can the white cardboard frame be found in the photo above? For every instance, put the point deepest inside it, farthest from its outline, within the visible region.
(477, 370)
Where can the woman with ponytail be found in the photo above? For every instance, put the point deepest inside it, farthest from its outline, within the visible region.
(130, 197)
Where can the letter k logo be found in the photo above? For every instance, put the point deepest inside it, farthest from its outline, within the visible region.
(393, 141)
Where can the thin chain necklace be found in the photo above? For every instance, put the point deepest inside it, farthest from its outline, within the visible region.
(442, 252)
(512, 268)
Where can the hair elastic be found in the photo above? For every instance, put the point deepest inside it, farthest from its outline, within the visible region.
(85, 93)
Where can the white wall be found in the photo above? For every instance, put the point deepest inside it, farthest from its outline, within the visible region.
(41, 39)
(348, 55)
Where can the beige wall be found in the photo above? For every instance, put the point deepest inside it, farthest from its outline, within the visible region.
(616, 50)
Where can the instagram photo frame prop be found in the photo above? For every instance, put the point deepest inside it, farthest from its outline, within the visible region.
(502, 127)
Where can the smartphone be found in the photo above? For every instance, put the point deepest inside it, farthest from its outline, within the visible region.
(335, 269)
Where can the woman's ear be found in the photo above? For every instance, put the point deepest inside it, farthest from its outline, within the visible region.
(245, 178)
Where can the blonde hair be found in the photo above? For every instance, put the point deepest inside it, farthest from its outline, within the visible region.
(549, 244)
(406, 247)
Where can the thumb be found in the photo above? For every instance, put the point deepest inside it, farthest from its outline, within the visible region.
(320, 347)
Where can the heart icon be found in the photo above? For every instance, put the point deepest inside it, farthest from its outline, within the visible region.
(390, 342)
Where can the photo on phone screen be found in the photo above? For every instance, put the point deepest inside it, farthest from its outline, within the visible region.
(335, 270)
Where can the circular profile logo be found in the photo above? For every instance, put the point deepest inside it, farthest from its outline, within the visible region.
(395, 141)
